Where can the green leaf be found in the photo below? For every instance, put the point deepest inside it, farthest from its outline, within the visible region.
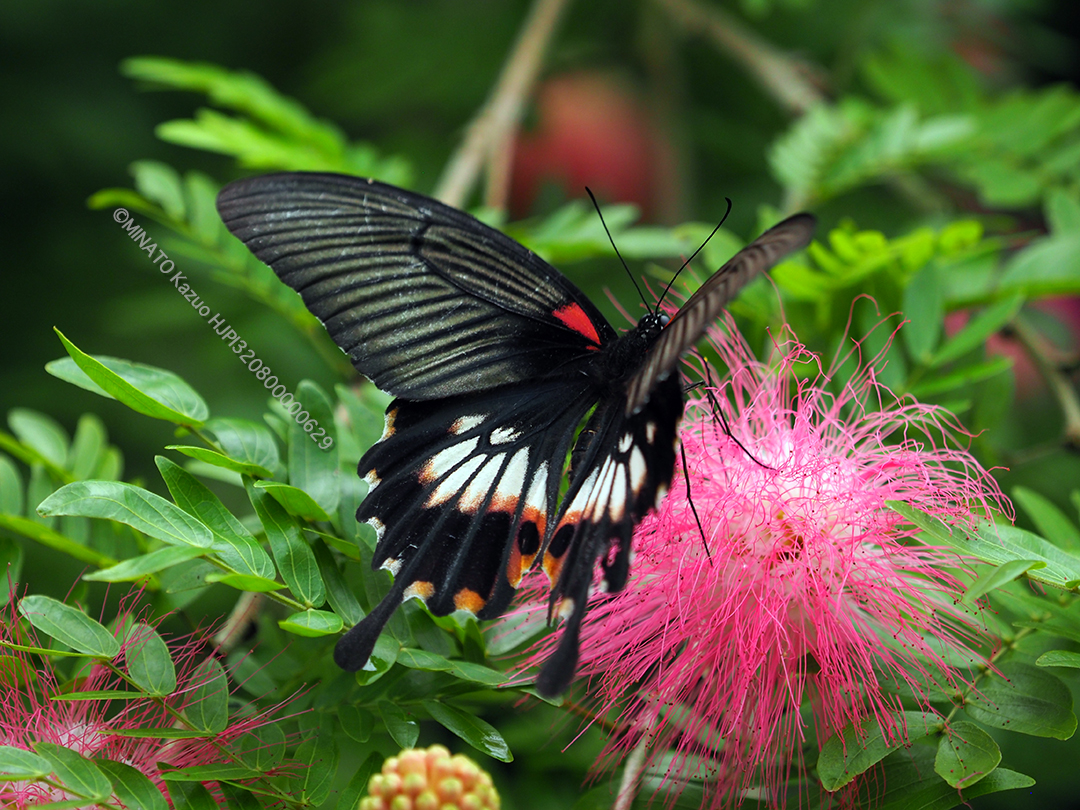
(132, 787)
(1004, 573)
(904, 783)
(87, 448)
(262, 748)
(169, 733)
(978, 329)
(295, 501)
(1049, 266)
(383, 658)
(846, 756)
(1031, 701)
(318, 755)
(1002, 544)
(925, 311)
(139, 508)
(312, 623)
(966, 754)
(101, 694)
(423, 660)
(54, 540)
(148, 661)
(147, 390)
(160, 183)
(41, 433)
(311, 468)
(246, 442)
(293, 555)
(403, 730)
(357, 723)
(214, 771)
(238, 797)
(338, 593)
(11, 487)
(243, 582)
(207, 706)
(477, 673)
(76, 771)
(1050, 521)
(235, 545)
(358, 783)
(69, 626)
(1059, 658)
(16, 764)
(43, 650)
(968, 374)
(479, 734)
(218, 460)
(191, 796)
(146, 564)
(11, 560)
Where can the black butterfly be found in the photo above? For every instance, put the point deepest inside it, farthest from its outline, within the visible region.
(501, 368)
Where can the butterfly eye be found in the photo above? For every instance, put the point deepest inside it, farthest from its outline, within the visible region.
(664, 319)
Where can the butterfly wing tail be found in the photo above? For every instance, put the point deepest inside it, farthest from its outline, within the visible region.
(355, 647)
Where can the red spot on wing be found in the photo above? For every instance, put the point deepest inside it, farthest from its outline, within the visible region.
(575, 318)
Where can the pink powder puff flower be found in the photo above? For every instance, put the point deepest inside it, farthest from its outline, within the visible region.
(811, 591)
(36, 707)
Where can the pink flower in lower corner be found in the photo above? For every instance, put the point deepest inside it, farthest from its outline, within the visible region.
(811, 594)
(55, 701)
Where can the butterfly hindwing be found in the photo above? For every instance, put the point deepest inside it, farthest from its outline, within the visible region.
(623, 468)
(425, 300)
(461, 494)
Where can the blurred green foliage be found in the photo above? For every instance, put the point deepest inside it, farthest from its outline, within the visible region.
(944, 164)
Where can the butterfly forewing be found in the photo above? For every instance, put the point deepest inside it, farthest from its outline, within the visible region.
(426, 301)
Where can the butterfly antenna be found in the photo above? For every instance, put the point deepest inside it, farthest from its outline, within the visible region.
(720, 419)
(596, 205)
(690, 500)
(696, 252)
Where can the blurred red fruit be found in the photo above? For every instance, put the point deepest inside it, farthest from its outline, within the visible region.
(590, 131)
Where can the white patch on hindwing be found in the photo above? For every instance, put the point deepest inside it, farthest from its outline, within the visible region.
(639, 470)
(503, 435)
(466, 423)
(453, 482)
(473, 497)
(447, 459)
(378, 526)
(372, 480)
(512, 483)
(388, 424)
(566, 607)
(617, 504)
(391, 564)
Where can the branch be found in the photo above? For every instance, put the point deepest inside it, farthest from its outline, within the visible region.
(1049, 362)
(489, 135)
(789, 81)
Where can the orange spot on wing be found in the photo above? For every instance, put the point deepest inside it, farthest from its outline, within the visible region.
(420, 590)
(468, 599)
(552, 567)
(575, 318)
(505, 503)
